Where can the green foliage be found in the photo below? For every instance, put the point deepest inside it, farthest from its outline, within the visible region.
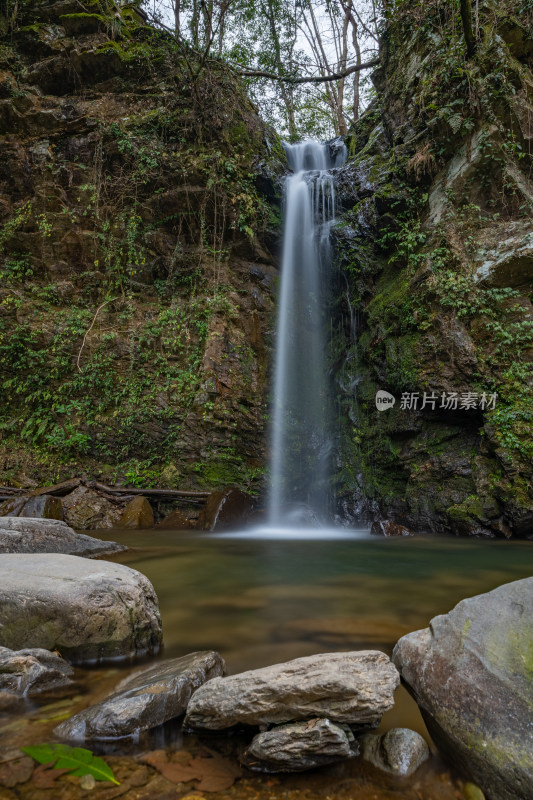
(21, 216)
(15, 270)
(77, 760)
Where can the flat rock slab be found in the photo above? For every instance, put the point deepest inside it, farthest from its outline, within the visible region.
(354, 688)
(299, 746)
(29, 535)
(400, 751)
(25, 672)
(89, 611)
(471, 673)
(145, 700)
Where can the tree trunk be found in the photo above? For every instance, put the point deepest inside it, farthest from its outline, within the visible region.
(285, 93)
(466, 17)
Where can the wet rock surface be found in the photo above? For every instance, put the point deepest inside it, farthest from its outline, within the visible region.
(30, 671)
(470, 673)
(137, 514)
(400, 751)
(44, 506)
(27, 535)
(226, 509)
(355, 688)
(388, 528)
(299, 746)
(145, 700)
(87, 610)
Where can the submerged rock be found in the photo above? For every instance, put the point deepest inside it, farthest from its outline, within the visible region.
(400, 751)
(137, 514)
(471, 674)
(27, 535)
(89, 611)
(229, 508)
(386, 527)
(354, 688)
(145, 700)
(31, 671)
(299, 746)
(176, 520)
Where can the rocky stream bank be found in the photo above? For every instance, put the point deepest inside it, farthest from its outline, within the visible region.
(282, 719)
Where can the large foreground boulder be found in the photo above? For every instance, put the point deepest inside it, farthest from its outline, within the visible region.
(25, 672)
(471, 672)
(88, 610)
(27, 535)
(145, 700)
(354, 688)
(299, 746)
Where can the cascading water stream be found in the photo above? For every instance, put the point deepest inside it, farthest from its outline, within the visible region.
(300, 436)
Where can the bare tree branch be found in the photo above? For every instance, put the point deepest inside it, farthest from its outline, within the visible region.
(317, 79)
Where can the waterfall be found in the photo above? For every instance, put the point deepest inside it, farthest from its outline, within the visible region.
(301, 440)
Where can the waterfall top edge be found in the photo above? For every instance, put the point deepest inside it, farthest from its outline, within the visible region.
(311, 156)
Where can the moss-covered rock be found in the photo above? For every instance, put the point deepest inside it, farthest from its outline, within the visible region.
(471, 673)
(135, 271)
(435, 243)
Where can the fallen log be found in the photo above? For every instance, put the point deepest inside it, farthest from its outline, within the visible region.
(58, 489)
(193, 494)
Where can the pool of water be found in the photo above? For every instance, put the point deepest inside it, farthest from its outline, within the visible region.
(260, 598)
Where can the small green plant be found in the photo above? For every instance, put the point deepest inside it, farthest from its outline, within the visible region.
(77, 760)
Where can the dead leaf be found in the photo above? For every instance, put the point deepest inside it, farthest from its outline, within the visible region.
(44, 776)
(217, 773)
(16, 771)
(214, 773)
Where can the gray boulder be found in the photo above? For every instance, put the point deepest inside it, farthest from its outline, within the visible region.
(354, 688)
(88, 610)
(299, 746)
(44, 506)
(471, 674)
(28, 535)
(400, 751)
(146, 699)
(30, 671)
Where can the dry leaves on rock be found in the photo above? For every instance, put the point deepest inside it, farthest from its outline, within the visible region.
(213, 772)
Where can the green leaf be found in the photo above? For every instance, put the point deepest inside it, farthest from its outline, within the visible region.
(79, 761)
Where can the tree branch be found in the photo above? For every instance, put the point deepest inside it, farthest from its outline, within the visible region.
(319, 79)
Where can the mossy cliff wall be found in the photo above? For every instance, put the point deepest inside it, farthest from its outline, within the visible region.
(136, 280)
(436, 244)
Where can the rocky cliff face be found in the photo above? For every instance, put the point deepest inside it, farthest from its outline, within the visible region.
(436, 247)
(136, 280)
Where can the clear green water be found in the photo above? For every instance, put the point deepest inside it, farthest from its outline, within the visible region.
(259, 601)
